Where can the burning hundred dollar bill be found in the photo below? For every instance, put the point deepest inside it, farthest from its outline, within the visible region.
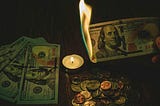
(123, 38)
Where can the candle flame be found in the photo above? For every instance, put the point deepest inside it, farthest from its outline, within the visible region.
(85, 16)
(72, 59)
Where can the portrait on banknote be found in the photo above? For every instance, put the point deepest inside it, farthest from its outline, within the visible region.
(123, 38)
(109, 42)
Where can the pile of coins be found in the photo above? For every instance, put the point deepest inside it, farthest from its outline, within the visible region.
(94, 92)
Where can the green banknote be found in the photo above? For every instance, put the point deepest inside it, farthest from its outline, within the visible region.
(8, 88)
(10, 78)
(39, 81)
(3, 48)
(9, 48)
(12, 62)
(36, 41)
(9, 52)
(11, 69)
(123, 38)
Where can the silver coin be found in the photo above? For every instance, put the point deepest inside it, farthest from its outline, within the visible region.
(93, 85)
(89, 103)
(114, 85)
(84, 84)
(76, 80)
(96, 93)
(76, 88)
(121, 100)
(86, 94)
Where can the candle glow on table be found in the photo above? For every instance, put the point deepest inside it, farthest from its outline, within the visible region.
(72, 61)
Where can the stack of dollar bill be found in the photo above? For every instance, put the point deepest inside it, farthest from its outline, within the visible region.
(29, 71)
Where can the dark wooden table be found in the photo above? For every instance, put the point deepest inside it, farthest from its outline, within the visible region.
(59, 22)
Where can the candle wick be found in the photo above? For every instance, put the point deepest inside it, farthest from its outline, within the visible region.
(72, 59)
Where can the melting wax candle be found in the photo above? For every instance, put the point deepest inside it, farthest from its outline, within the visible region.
(72, 61)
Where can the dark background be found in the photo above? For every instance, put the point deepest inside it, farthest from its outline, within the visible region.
(58, 22)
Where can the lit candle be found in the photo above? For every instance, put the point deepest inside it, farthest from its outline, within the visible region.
(72, 61)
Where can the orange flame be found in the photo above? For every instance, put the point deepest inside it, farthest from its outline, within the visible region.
(85, 16)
